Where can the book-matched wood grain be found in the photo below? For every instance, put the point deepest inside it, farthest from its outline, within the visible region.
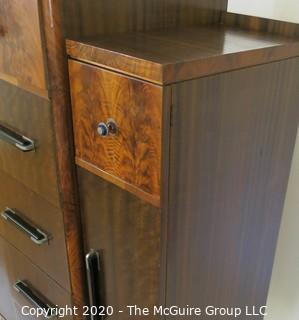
(228, 183)
(21, 49)
(132, 157)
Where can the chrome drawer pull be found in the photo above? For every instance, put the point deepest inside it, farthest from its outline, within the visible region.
(37, 302)
(93, 268)
(36, 235)
(21, 142)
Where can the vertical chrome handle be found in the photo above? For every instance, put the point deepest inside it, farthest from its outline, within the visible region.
(23, 288)
(21, 142)
(93, 268)
(36, 235)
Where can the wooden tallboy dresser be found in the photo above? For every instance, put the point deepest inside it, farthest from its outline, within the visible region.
(162, 180)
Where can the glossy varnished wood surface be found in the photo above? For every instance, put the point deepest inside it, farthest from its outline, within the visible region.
(21, 52)
(29, 115)
(97, 17)
(173, 55)
(131, 158)
(258, 24)
(126, 231)
(89, 18)
(50, 257)
(15, 266)
(227, 184)
(61, 111)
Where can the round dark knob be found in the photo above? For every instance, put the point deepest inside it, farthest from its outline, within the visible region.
(112, 127)
(103, 129)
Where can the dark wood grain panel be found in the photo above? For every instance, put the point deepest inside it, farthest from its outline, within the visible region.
(29, 115)
(97, 17)
(13, 267)
(127, 233)
(51, 257)
(269, 26)
(21, 52)
(179, 54)
(133, 156)
(228, 183)
(61, 111)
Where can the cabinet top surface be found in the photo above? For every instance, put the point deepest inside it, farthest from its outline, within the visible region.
(173, 55)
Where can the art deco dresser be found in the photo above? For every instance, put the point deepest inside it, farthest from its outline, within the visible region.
(147, 163)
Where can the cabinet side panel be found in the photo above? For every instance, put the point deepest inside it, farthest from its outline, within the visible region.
(231, 147)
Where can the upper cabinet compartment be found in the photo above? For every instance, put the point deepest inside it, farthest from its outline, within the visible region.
(21, 54)
(128, 77)
(172, 55)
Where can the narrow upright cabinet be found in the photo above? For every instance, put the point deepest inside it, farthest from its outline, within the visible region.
(145, 149)
(184, 138)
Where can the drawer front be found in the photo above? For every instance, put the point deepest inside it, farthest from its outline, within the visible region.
(126, 233)
(34, 216)
(14, 267)
(129, 156)
(28, 115)
(21, 53)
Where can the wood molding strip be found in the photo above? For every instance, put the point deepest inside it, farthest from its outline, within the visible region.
(153, 199)
(61, 110)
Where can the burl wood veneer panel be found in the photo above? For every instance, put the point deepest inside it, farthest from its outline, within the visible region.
(232, 142)
(97, 17)
(21, 53)
(126, 231)
(131, 158)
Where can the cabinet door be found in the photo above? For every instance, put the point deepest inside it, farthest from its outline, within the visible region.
(21, 53)
(126, 232)
(131, 155)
